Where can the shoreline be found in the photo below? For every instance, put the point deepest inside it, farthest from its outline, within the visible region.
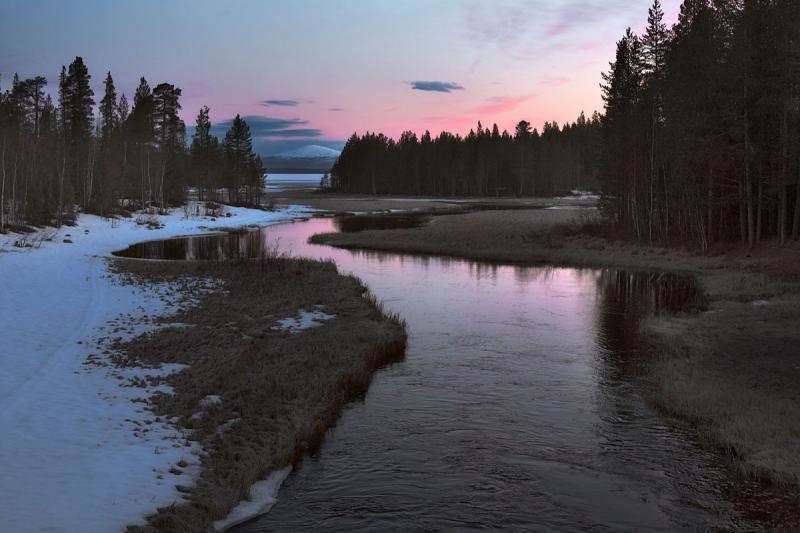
(692, 375)
(68, 415)
(269, 359)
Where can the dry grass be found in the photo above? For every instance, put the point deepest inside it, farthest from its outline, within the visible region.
(530, 236)
(283, 390)
(733, 371)
(735, 374)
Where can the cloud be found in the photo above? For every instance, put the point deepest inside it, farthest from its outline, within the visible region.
(273, 147)
(280, 103)
(335, 109)
(525, 30)
(271, 127)
(436, 86)
(502, 104)
(556, 81)
(294, 133)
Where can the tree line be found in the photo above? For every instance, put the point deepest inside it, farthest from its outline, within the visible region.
(59, 157)
(699, 141)
(701, 138)
(484, 162)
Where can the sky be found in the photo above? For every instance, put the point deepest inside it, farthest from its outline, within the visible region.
(316, 71)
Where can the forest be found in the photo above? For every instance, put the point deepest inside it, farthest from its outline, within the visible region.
(699, 141)
(484, 162)
(108, 157)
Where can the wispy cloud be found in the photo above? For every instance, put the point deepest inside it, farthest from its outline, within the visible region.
(522, 29)
(280, 103)
(436, 86)
(501, 104)
(555, 81)
(271, 127)
(335, 109)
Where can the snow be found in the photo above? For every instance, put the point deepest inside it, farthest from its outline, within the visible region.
(210, 401)
(310, 151)
(76, 453)
(263, 495)
(303, 320)
(577, 194)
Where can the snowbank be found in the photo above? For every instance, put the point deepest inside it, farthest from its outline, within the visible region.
(76, 453)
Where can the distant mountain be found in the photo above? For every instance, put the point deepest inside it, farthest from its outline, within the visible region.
(310, 151)
(310, 158)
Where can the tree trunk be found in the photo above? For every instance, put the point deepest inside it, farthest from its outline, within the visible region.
(666, 206)
(796, 221)
(652, 176)
(3, 189)
(760, 210)
(61, 188)
(710, 206)
(748, 186)
(742, 214)
(783, 192)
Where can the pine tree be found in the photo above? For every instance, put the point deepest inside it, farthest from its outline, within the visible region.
(76, 102)
(170, 134)
(621, 91)
(35, 91)
(108, 110)
(243, 170)
(655, 44)
(204, 150)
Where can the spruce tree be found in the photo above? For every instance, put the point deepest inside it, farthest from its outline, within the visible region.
(108, 110)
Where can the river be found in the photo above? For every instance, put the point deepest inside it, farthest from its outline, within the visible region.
(516, 406)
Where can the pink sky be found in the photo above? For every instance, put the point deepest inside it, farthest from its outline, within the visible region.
(332, 67)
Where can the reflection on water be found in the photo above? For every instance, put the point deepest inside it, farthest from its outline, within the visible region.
(215, 247)
(638, 293)
(252, 244)
(514, 408)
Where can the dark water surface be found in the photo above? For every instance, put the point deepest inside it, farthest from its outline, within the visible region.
(515, 407)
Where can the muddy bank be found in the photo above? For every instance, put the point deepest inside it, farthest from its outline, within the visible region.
(733, 370)
(273, 354)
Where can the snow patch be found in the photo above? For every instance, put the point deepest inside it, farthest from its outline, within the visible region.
(263, 495)
(310, 151)
(210, 401)
(304, 320)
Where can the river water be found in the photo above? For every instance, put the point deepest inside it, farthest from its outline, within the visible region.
(516, 406)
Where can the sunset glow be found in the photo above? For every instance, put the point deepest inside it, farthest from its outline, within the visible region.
(327, 69)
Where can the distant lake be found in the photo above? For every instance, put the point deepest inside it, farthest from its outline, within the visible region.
(283, 182)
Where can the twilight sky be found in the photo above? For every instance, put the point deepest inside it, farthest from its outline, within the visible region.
(315, 71)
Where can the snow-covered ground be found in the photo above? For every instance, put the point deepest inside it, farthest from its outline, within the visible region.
(76, 454)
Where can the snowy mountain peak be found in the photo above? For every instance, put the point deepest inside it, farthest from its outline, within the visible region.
(310, 151)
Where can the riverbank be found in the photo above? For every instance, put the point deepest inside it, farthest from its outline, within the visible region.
(74, 454)
(271, 356)
(733, 371)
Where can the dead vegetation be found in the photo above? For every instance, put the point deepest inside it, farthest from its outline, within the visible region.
(279, 392)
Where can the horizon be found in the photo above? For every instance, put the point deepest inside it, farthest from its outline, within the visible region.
(515, 61)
